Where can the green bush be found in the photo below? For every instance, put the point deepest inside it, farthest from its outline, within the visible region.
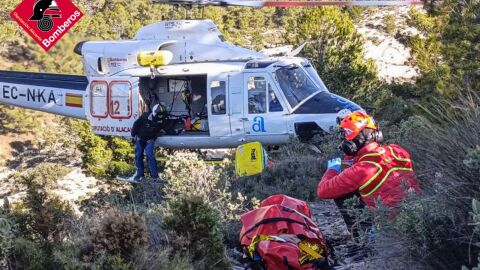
(44, 176)
(43, 214)
(112, 262)
(96, 156)
(196, 225)
(7, 238)
(121, 168)
(475, 239)
(18, 120)
(472, 159)
(335, 49)
(186, 175)
(390, 25)
(104, 157)
(28, 255)
(164, 258)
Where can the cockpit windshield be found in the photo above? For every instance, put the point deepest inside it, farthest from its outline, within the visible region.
(313, 74)
(295, 84)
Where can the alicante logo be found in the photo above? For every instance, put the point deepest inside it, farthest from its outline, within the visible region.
(46, 21)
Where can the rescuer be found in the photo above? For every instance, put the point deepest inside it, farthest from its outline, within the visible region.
(145, 131)
(377, 172)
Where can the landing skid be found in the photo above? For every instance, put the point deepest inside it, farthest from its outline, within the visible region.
(126, 179)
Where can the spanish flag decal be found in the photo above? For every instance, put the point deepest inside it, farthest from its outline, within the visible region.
(74, 100)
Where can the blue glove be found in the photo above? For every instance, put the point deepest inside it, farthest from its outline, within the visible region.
(334, 164)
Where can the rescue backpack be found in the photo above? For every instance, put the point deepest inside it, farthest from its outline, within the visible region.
(266, 230)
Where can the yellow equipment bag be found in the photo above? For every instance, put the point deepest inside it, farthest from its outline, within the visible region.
(154, 59)
(250, 159)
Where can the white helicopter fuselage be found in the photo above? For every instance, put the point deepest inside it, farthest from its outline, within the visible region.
(235, 94)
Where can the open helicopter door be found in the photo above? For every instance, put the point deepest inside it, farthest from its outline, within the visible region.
(112, 105)
(218, 105)
(265, 113)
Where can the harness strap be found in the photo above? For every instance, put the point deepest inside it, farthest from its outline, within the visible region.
(375, 182)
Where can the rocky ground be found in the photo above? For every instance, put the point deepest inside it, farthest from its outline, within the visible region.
(392, 57)
(328, 218)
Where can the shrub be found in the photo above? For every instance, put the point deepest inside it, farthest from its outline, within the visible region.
(121, 168)
(472, 160)
(162, 259)
(112, 262)
(28, 255)
(475, 214)
(122, 149)
(432, 230)
(119, 234)
(17, 120)
(188, 176)
(43, 176)
(390, 25)
(7, 238)
(43, 215)
(96, 156)
(104, 157)
(57, 139)
(335, 49)
(198, 235)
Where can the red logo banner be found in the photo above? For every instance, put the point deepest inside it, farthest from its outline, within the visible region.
(46, 21)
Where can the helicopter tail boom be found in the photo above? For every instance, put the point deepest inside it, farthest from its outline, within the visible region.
(52, 93)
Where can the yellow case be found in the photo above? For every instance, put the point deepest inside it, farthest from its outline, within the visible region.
(250, 159)
(155, 59)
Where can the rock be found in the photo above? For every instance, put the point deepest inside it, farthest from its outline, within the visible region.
(388, 52)
(75, 186)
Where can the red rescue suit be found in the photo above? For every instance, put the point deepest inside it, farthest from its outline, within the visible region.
(377, 172)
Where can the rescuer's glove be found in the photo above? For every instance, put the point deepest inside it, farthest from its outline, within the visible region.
(334, 164)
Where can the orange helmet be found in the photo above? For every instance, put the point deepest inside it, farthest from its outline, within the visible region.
(355, 122)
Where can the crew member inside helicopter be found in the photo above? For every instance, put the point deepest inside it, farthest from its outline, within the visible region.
(256, 95)
(274, 105)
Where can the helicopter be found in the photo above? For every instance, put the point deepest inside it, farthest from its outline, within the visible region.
(215, 94)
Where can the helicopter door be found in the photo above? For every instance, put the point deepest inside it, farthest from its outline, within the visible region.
(112, 106)
(218, 116)
(264, 111)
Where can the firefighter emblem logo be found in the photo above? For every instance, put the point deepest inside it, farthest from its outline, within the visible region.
(43, 13)
(46, 21)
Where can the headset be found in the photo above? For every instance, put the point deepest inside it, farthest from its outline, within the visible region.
(366, 136)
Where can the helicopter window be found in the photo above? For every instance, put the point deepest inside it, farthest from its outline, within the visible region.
(314, 75)
(273, 102)
(218, 97)
(257, 89)
(120, 100)
(98, 99)
(295, 84)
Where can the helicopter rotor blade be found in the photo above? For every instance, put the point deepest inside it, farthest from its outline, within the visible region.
(286, 4)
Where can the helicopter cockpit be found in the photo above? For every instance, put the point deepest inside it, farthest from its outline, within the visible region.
(296, 85)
